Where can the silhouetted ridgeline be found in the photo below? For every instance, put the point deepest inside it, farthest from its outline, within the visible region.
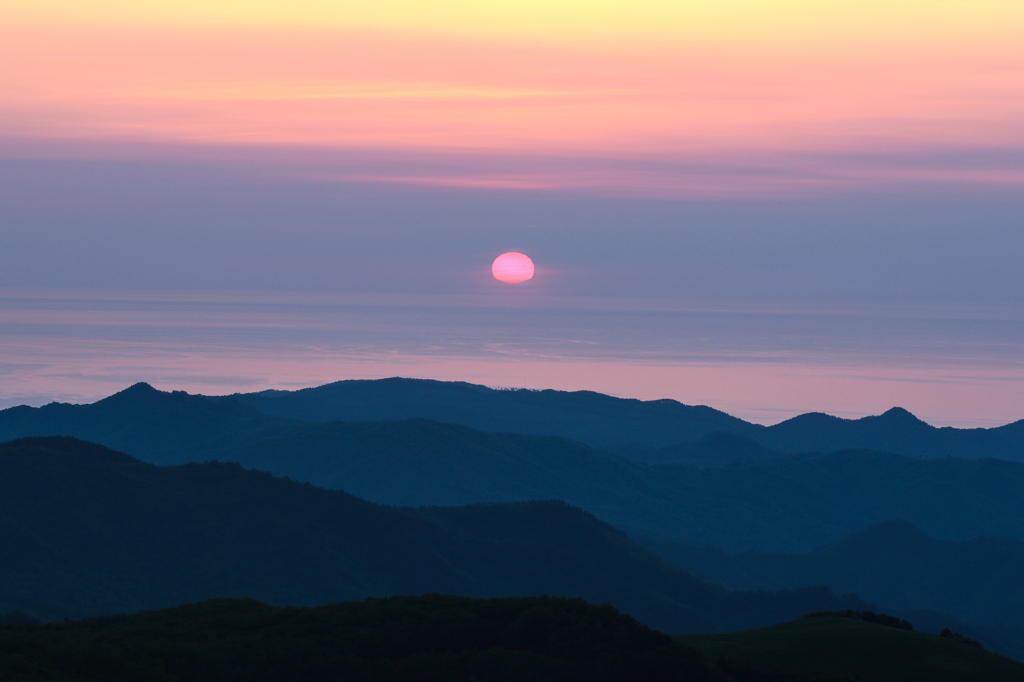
(88, 531)
(592, 418)
(602, 420)
(585, 416)
(791, 503)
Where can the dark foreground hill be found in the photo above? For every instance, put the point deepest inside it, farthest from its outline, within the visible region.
(445, 638)
(813, 649)
(790, 503)
(89, 531)
(389, 640)
(893, 563)
(602, 421)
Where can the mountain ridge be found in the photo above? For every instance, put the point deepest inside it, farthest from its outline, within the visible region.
(595, 419)
(785, 503)
(91, 531)
(602, 421)
(894, 563)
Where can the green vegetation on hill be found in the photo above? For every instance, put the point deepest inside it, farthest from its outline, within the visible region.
(867, 617)
(433, 637)
(836, 648)
(448, 638)
(89, 531)
(894, 431)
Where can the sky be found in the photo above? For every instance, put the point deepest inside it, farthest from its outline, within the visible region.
(821, 201)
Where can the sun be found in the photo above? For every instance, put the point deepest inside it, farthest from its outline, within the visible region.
(512, 267)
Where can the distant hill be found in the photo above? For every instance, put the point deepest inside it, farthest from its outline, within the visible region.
(894, 431)
(766, 502)
(400, 639)
(162, 427)
(834, 649)
(649, 431)
(89, 531)
(592, 418)
(604, 421)
(892, 563)
(800, 502)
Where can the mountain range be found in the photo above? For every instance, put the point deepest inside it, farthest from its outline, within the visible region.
(89, 531)
(733, 507)
(892, 563)
(791, 503)
(604, 421)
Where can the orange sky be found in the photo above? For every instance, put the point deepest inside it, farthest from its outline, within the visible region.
(858, 151)
(747, 82)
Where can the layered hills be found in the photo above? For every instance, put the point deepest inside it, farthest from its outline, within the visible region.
(892, 563)
(604, 421)
(788, 503)
(87, 531)
(732, 507)
(592, 418)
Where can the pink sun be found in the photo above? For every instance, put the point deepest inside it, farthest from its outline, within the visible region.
(512, 267)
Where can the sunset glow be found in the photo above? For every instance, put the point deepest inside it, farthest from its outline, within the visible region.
(782, 93)
(807, 154)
